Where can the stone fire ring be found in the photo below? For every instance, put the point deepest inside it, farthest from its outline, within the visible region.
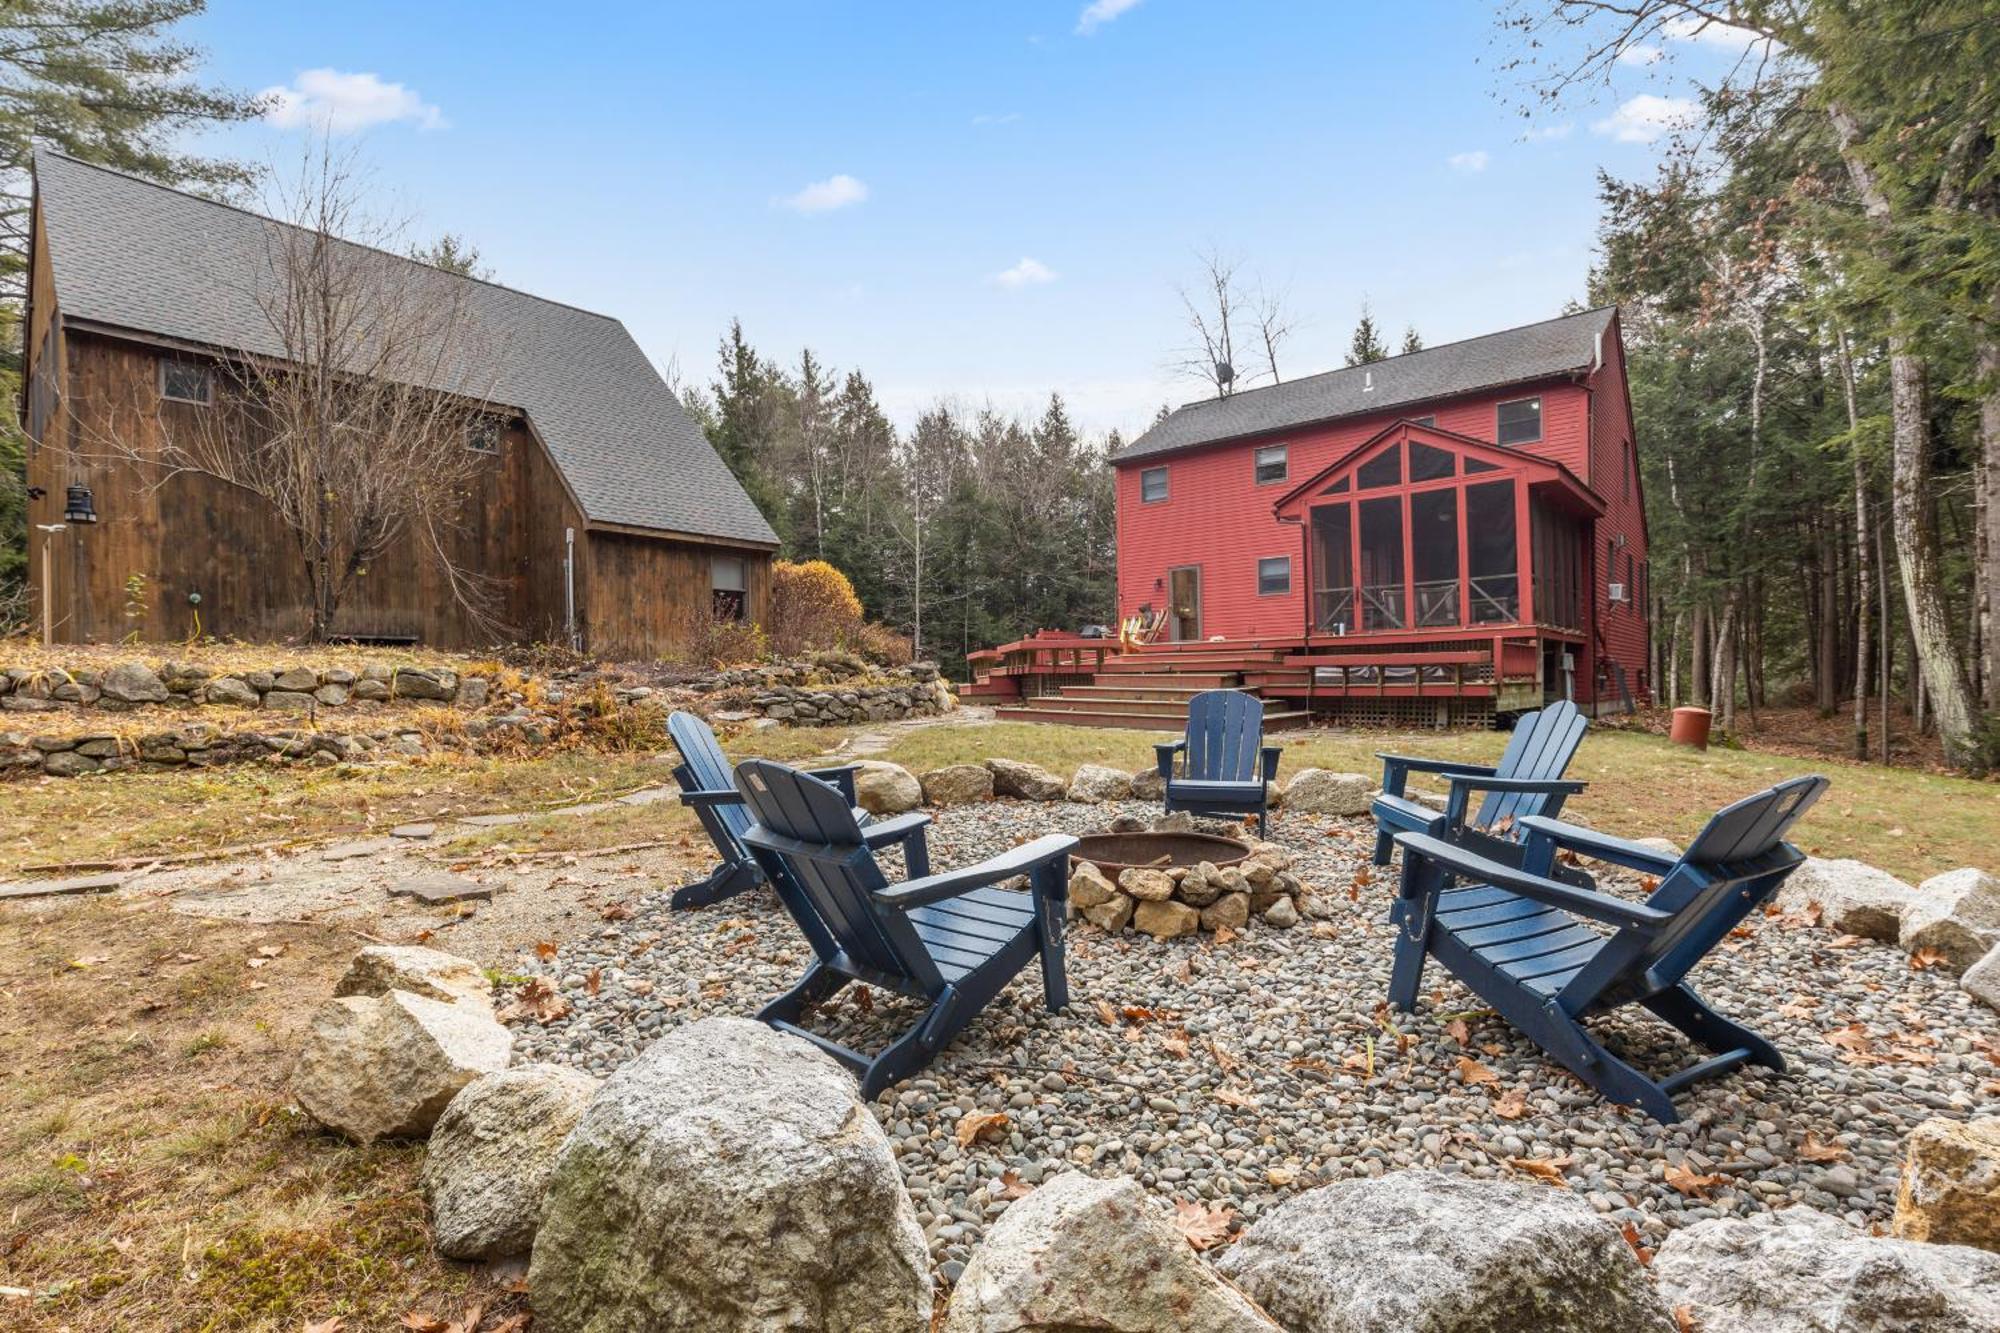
(1113, 853)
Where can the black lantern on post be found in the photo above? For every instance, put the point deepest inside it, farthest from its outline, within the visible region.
(79, 507)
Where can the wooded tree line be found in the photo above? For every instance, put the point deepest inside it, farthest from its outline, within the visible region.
(969, 529)
(1810, 289)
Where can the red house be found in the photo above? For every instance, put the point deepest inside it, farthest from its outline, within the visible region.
(1435, 537)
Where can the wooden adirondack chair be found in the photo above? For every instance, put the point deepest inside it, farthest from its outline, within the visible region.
(1527, 781)
(703, 775)
(952, 939)
(1225, 768)
(1548, 955)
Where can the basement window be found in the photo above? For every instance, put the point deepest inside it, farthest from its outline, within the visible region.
(1272, 464)
(729, 585)
(1274, 576)
(1152, 485)
(482, 435)
(1518, 422)
(186, 382)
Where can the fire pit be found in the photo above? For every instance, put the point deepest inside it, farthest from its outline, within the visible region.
(1114, 853)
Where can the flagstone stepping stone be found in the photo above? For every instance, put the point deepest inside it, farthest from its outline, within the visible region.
(413, 831)
(435, 890)
(57, 888)
(494, 821)
(348, 851)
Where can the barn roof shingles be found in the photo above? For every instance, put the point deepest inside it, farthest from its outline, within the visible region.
(1514, 356)
(135, 255)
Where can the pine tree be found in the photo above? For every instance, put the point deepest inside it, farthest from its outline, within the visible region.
(454, 254)
(1412, 340)
(1366, 345)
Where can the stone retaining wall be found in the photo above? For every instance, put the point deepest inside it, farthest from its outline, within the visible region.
(832, 691)
(131, 685)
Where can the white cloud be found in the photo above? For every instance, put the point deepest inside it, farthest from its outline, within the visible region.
(1474, 161)
(1027, 273)
(1723, 36)
(988, 119)
(1646, 118)
(1541, 133)
(824, 196)
(326, 99)
(1100, 12)
(1640, 54)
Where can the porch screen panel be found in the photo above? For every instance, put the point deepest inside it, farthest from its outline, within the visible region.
(1434, 549)
(1492, 579)
(1333, 569)
(1384, 469)
(1382, 596)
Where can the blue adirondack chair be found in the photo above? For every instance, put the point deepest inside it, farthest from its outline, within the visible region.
(1527, 781)
(1225, 768)
(703, 775)
(1548, 954)
(952, 939)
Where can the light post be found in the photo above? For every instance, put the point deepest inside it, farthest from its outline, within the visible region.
(79, 509)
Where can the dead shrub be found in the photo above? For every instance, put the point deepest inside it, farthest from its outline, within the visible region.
(883, 646)
(719, 641)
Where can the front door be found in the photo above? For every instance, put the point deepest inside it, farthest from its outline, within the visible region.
(1184, 604)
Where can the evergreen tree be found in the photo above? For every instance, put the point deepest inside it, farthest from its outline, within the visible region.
(1412, 340)
(454, 254)
(1366, 345)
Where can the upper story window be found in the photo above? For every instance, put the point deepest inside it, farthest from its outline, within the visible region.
(1274, 576)
(187, 382)
(1152, 485)
(1625, 456)
(729, 585)
(1424, 421)
(482, 435)
(1518, 422)
(1273, 464)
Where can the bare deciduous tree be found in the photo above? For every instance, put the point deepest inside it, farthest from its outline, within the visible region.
(1218, 309)
(364, 414)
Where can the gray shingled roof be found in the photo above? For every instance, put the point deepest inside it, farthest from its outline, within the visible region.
(140, 256)
(1533, 352)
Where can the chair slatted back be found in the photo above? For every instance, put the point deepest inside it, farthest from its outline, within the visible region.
(806, 838)
(1224, 735)
(706, 768)
(1729, 871)
(1541, 747)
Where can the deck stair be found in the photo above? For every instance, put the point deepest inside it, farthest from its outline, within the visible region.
(1149, 689)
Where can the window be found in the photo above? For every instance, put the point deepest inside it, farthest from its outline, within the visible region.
(1339, 487)
(728, 581)
(1424, 421)
(1152, 485)
(482, 435)
(1271, 464)
(1492, 578)
(1274, 576)
(1626, 456)
(1434, 547)
(1519, 422)
(186, 382)
(1384, 469)
(1382, 564)
(1428, 464)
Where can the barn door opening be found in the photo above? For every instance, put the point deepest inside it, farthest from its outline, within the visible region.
(1184, 603)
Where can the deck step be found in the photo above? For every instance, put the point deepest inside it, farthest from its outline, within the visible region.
(1134, 721)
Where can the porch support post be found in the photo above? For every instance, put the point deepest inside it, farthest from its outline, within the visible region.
(1524, 547)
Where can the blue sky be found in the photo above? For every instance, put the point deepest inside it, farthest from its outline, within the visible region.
(986, 201)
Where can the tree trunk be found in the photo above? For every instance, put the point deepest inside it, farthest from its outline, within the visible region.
(1698, 658)
(1861, 562)
(1827, 677)
(1987, 498)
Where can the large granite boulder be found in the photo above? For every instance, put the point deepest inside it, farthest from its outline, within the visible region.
(1425, 1252)
(958, 784)
(1319, 791)
(729, 1178)
(486, 1175)
(1851, 897)
(1165, 920)
(387, 1066)
(1982, 980)
(886, 789)
(431, 973)
(1801, 1271)
(1148, 785)
(1095, 782)
(1951, 1184)
(1026, 782)
(1080, 1253)
(1956, 914)
(1088, 887)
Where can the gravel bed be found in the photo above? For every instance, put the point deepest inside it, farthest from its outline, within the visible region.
(1241, 1072)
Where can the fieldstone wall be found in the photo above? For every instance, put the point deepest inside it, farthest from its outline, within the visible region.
(127, 686)
(829, 691)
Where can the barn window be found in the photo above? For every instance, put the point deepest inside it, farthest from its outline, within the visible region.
(1519, 422)
(186, 382)
(1274, 576)
(1153, 485)
(482, 435)
(1272, 464)
(729, 585)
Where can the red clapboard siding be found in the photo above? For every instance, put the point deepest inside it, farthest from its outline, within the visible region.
(1615, 476)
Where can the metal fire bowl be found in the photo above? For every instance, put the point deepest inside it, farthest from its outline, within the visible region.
(1115, 852)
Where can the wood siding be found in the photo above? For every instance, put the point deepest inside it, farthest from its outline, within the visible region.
(644, 591)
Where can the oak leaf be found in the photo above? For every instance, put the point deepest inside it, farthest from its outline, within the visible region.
(1471, 1072)
(1927, 958)
(1639, 1247)
(333, 1325)
(1203, 1226)
(1013, 1187)
(1513, 1104)
(1812, 1150)
(974, 1125)
(1543, 1168)
(1692, 1183)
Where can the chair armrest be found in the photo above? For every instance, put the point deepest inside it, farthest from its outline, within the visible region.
(1464, 784)
(1271, 754)
(1396, 769)
(952, 883)
(907, 829)
(1584, 902)
(711, 799)
(842, 778)
(1165, 753)
(1598, 846)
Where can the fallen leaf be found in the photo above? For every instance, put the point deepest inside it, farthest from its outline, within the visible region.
(513, 1323)
(272, 950)
(1231, 1097)
(1684, 1319)
(593, 980)
(546, 949)
(1471, 1072)
(1513, 1104)
(1543, 1168)
(615, 912)
(1812, 1150)
(333, 1325)
(1927, 958)
(1692, 1183)
(974, 1125)
(1459, 1031)
(864, 999)
(1203, 1226)
(1013, 1187)
(1639, 1247)
(1107, 1014)
(1175, 1041)
(537, 1000)
(423, 1322)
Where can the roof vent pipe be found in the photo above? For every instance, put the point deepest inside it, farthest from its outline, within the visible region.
(1368, 381)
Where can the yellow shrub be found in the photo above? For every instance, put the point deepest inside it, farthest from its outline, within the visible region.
(812, 606)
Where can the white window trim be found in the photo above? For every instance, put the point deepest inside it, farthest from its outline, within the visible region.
(1540, 423)
(207, 379)
(1278, 480)
(1166, 495)
(1287, 591)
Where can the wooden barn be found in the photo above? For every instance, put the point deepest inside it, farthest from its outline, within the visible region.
(599, 514)
(1434, 537)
